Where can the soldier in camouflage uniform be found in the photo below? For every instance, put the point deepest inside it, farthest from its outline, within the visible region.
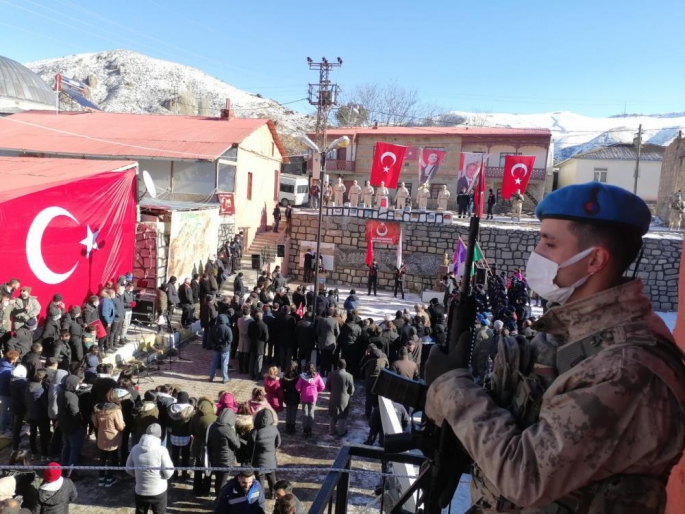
(588, 416)
(677, 208)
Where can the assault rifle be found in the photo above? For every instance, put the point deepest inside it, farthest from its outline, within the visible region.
(446, 460)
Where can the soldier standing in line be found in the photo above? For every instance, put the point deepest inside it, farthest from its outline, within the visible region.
(602, 428)
(516, 205)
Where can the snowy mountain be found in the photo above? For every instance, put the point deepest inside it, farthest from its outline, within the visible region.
(574, 133)
(125, 81)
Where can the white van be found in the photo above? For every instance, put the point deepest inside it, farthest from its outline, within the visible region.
(293, 190)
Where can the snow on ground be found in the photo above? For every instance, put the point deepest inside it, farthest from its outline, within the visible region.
(669, 318)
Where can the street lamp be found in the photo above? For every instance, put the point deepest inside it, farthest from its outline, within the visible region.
(341, 142)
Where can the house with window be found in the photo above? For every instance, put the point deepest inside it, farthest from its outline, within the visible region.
(615, 164)
(211, 176)
(354, 162)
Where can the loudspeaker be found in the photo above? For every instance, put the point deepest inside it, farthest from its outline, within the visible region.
(256, 261)
(280, 250)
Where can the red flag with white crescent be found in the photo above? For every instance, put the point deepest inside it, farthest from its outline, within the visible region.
(517, 172)
(387, 164)
(369, 253)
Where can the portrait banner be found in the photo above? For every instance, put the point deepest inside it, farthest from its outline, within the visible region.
(469, 170)
(226, 204)
(429, 164)
(384, 232)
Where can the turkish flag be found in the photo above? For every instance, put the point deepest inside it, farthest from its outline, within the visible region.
(70, 238)
(369, 253)
(517, 171)
(383, 232)
(387, 164)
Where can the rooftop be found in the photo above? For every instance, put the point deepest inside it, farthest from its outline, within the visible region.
(131, 136)
(22, 175)
(623, 152)
(22, 89)
(436, 131)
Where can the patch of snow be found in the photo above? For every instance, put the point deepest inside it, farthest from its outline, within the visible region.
(669, 318)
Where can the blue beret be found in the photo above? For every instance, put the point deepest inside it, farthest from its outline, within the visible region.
(596, 202)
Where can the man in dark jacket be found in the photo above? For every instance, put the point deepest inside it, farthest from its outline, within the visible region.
(305, 337)
(373, 278)
(6, 367)
(222, 446)
(238, 286)
(75, 328)
(259, 335)
(36, 399)
(463, 199)
(23, 338)
(104, 383)
(241, 495)
(349, 334)
(264, 440)
(286, 325)
(187, 300)
(327, 331)
(32, 360)
(220, 340)
(277, 217)
(299, 298)
(492, 200)
(341, 385)
(404, 366)
(399, 279)
(71, 422)
(322, 303)
(56, 492)
(172, 293)
(284, 487)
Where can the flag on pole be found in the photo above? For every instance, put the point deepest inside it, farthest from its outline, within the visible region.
(459, 259)
(387, 164)
(517, 172)
(479, 189)
(399, 249)
(477, 256)
(369, 253)
(300, 310)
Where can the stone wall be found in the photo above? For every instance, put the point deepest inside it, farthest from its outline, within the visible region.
(226, 229)
(672, 176)
(425, 244)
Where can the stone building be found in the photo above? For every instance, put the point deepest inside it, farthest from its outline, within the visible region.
(672, 175)
(354, 162)
(426, 243)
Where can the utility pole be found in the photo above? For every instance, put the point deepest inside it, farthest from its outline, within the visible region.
(323, 95)
(638, 141)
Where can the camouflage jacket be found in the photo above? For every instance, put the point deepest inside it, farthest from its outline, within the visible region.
(611, 414)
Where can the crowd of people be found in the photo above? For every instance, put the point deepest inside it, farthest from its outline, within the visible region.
(293, 344)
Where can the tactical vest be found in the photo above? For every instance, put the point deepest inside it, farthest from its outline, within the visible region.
(518, 385)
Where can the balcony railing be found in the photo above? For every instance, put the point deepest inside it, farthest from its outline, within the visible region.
(335, 165)
(492, 172)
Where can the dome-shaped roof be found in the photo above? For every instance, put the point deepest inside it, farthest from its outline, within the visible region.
(21, 89)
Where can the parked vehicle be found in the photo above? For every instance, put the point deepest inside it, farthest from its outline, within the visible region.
(293, 190)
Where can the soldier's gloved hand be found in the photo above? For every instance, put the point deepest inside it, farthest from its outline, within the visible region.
(439, 363)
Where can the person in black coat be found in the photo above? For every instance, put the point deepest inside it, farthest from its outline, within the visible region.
(322, 303)
(222, 446)
(463, 199)
(285, 330)
(270, 321)
(71, 421)
(306, 337)
(264, 440)
(399, 279)
(62, 351)
(349, 333)
(238, 286)
(299, 298)
(220, 340)
(36, 400)
(187, 301)
(32, 360)
(103, 383)
(259, 335)
(17, 387)
(75, 329)
(208, 315)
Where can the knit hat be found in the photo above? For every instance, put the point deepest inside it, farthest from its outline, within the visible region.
(497, 325)
(52, 473)
(183, 397)
(57, 298)
(31, 323)
(155, 429)
(150, 396)
(19, 371)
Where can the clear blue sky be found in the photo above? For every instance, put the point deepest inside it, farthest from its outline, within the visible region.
(521, 56)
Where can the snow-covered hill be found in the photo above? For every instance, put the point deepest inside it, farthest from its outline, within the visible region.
(574, 133)
(125, 81)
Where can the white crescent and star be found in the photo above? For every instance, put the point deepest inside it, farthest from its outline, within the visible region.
(382, 230)
(386, 169)
(34, 240)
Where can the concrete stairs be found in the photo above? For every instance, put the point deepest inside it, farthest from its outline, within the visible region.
(264, 244)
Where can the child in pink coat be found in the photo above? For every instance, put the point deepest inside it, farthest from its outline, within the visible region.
(274, 391)
(309, 385)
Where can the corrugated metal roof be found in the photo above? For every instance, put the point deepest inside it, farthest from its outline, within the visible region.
(19, 175)
(435, 131)
(624, 152)
(157, 204)
(127, 135)
(20, 83)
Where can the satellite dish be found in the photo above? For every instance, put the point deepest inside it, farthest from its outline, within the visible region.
(149, 184)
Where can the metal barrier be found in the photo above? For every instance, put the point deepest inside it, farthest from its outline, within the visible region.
(335, 487)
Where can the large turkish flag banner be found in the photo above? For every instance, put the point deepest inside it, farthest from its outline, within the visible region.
(517, 171)
(387, 164)
(71, 238)
(383, 232)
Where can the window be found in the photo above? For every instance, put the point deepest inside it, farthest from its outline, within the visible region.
(287, 188)
(600, 175)
(302, 189)
(435, 189)
(277, 179)
(249, 185)
(502, 156)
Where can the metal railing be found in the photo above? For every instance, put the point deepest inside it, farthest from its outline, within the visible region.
(497, 172)
(334, 492)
